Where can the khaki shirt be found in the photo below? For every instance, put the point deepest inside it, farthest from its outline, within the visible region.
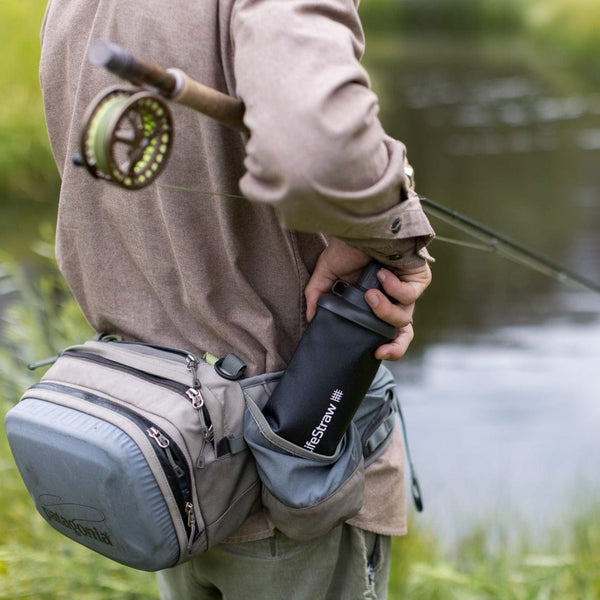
(188, 263)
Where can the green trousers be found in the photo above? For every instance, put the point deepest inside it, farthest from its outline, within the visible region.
(346, 564)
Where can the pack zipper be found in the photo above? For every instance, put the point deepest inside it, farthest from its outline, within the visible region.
(110, 339)
(170, 456)
(192, 394)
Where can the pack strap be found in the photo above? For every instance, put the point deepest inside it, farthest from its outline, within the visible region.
(415, 488)
(377, 437)
(231, 367)
(374, 438)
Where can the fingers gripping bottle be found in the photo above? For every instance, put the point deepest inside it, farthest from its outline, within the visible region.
(331, 369)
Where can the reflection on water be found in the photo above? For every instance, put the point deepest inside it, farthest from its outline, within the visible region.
(505, 428)
(500, 388)
(506, 114)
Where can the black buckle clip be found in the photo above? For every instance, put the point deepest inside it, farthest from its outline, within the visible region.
(230, 367)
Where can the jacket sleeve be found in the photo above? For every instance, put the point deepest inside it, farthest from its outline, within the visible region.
(317, 151)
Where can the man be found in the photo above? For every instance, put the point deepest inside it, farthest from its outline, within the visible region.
(187, 263)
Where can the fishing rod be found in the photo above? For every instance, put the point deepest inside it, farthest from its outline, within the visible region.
(127, 135)
(492, 241)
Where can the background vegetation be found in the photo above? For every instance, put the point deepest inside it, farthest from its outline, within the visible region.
(36, 562)
(26, 166)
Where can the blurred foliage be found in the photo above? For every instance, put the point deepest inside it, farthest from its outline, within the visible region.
(26, 165)
(445, 16)
(564, 29)
(570, 23)
(44, 320)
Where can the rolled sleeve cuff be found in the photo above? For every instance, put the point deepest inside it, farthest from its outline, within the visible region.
(397, 237)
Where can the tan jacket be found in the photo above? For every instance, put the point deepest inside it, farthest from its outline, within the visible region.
(201, 269)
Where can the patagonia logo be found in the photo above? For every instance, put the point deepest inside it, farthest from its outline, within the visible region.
(319, 431)
(82, 520)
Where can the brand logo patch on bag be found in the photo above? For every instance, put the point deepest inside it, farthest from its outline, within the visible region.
(80, 519)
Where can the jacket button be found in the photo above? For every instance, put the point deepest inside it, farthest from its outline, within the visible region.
(397, 223)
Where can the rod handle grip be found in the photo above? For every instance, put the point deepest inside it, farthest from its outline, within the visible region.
(220, 106)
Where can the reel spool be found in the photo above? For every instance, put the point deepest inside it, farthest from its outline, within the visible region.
(126, 137)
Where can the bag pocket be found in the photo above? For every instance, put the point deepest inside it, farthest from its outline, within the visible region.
(98, 478)
(305, 494)
(225, 472)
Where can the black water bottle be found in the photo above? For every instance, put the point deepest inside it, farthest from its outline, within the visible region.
(331, 369)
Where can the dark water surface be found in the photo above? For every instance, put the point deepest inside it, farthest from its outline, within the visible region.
(500, 388)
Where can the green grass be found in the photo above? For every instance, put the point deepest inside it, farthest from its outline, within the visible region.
(568, 568)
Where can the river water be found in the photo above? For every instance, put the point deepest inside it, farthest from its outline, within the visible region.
(500, 387)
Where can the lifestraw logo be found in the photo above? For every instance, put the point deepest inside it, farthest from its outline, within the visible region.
(337, 395)
(319, 431)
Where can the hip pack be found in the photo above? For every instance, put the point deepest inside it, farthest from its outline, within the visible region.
(150, 455)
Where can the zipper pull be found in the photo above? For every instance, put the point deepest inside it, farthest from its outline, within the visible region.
(207, 427)
(42, 363)
(158, 437)
(201, 461)
(191, 524)
(164, 442)
(192, 367)
(191, 514)
(195, 397)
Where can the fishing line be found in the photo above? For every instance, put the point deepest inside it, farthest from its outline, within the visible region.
(462, 243)
(127, 136)
(493, 242)
(199, 191)
(506, 247)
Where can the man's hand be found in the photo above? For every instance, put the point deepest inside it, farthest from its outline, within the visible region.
(340, 261)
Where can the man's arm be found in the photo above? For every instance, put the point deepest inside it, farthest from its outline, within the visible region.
(317, 151)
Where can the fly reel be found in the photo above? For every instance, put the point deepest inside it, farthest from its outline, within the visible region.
(126, 137)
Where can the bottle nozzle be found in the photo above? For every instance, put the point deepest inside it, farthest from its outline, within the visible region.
(368, 278)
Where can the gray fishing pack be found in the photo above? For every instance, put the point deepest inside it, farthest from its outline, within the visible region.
(150, 455)
(136, 452)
